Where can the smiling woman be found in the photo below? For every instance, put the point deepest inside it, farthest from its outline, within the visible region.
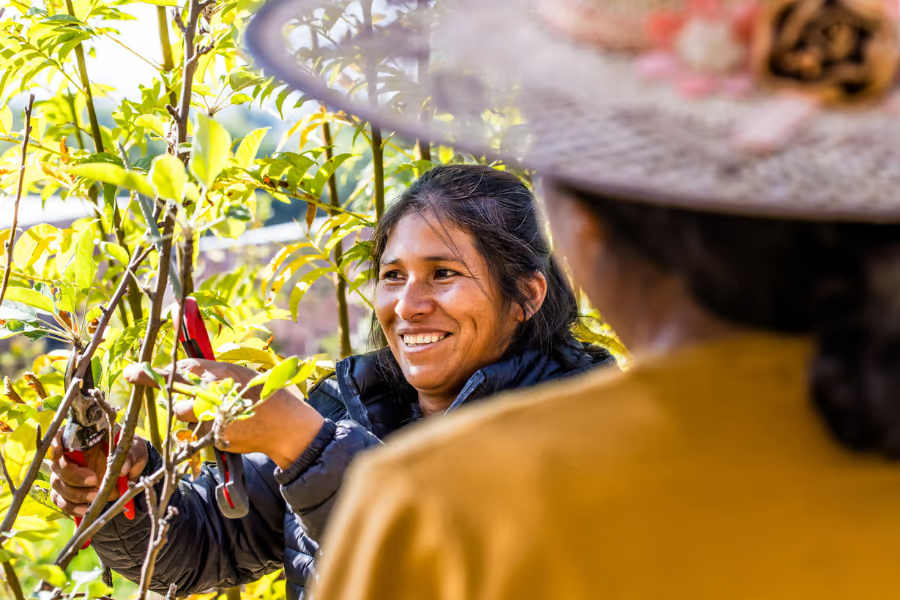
(471, 305)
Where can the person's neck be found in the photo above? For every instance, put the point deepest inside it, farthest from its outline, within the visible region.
(434, 404)
(670, 319)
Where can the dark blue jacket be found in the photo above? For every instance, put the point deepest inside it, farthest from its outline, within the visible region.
(290, 508)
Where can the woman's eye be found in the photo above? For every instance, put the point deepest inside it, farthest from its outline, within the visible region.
(444, 273)
(391, 276)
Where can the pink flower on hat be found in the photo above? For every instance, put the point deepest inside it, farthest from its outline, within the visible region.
(703, 49)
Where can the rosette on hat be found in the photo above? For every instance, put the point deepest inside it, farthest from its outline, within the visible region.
(785, 108)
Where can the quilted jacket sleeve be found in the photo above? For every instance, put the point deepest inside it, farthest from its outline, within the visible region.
(311, 484)
(233, 551)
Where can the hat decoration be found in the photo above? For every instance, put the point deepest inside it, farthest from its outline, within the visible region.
(830, 53)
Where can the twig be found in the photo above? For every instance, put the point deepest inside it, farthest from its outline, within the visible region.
(371, 74)
(9, 481)
(160, 523)
(15, 223)
(13, 580)
(84, 363)
(79, 538)
(423, 64)
(341, 284)
(116, 460)
(86, 83)
(173, 589)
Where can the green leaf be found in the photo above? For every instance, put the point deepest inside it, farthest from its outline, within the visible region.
(49, 573)
(246, 152)
(239, 212)
(160, 2)
(167, 174)
(248, 355)
(303, 285)
(153, 123)
(31, 298)
(240, 98)
(209, 152)
(115, 175)
(116, 251)
(280, 376)
(52, 402)
(81, 267)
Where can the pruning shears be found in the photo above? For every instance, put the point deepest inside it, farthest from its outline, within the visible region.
(231, 495)
(85, 438)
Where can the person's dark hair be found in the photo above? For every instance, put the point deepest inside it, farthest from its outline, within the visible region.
(498, 210)
(839, 282)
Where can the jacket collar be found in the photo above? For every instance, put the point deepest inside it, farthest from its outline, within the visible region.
(363, 383)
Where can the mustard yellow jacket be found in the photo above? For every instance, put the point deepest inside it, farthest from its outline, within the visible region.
(704, 475)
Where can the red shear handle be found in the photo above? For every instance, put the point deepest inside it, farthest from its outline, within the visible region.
(78, 457)
(193, 333)
(231, 494)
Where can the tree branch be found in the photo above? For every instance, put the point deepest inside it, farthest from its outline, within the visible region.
(134, 490)
(13, 580)
(166, 45)
(84, 362)
(371, 72)
(15, 223)
(116, 460)
(86, 83)
(340, 282)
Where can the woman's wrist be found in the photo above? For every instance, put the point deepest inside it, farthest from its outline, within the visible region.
(297, 426)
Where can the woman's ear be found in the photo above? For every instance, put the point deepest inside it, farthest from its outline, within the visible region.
(535, 288)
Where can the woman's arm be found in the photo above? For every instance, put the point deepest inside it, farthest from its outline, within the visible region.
(204, 548)
(311, 484)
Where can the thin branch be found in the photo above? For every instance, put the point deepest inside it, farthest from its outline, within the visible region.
(134, 490)
(371, 73)
(15, 223)
(13, 580)
(146, 60)
(86, 84)
(160, 523)
(84, 362)
(116, 460)
(340, 283)
(166, 46)
(9, 481)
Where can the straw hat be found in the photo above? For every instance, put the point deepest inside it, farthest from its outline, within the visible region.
(784, 108)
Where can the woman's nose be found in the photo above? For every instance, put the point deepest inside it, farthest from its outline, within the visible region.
(415, 301)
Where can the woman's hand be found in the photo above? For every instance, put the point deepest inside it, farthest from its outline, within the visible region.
(282, 427)
(73, 488)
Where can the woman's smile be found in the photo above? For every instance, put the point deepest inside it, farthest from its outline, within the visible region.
(421, 341)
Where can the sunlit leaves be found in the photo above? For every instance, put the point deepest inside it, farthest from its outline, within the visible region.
(31, 298)
(168, 176)
(249, 146)
(116, 175)
(210, 150)
(81, 267)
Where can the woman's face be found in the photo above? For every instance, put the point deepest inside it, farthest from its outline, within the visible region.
(443, 317)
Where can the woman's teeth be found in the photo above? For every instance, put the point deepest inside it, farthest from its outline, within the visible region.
(421, 340)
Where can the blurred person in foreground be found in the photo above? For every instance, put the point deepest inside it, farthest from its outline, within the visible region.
(471, 304)
(723, 180)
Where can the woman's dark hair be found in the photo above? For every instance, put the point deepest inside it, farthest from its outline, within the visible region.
(839, 282)
(498, 210)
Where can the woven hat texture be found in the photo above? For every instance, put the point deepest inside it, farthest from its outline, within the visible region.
(546, 84)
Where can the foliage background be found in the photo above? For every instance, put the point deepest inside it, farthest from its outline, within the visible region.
(256, 162)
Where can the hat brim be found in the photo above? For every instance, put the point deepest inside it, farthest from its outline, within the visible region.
(500, 83)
